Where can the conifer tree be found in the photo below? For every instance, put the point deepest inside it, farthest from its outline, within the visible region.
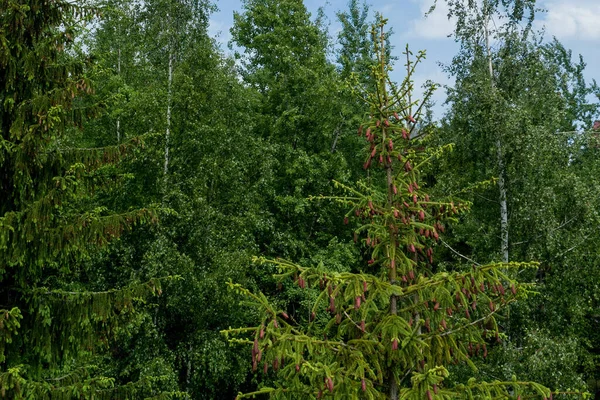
(51, 218)
(389, 330)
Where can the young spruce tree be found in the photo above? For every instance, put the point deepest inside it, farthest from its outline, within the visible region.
(390, 330)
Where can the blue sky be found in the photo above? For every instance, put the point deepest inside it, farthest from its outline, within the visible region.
(574, 22)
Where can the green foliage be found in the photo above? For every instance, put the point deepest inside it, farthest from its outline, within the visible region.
(356, 53)
(400, 317)
(217, 177)
(51, 219)
(141, 119)
(536, 107)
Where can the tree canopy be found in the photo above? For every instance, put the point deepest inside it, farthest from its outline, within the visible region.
(285, 221)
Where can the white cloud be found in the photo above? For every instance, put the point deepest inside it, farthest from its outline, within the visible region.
(436, 25)
(575, 19)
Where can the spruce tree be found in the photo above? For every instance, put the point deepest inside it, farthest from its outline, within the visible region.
(390, 330)
(52, 220)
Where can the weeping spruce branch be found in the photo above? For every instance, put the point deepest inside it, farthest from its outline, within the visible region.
(388, 328)
(54, 217)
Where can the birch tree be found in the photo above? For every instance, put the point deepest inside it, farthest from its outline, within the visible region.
(170, 27)
(513, 85)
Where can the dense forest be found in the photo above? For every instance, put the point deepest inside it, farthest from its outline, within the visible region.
(285, 221)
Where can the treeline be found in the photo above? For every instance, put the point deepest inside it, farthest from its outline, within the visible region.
(142, 169)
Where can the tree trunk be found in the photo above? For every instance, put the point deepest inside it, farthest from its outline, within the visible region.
(188, 371)
(503, 202)
(336, 136)
(499, 155)
(169, 97)
(390, 191)
(119, 73)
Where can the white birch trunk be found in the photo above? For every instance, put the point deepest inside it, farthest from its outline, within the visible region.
(499, 159)
(168, 130)
(119, 73)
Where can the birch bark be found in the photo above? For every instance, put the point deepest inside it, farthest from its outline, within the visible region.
(499, 154)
